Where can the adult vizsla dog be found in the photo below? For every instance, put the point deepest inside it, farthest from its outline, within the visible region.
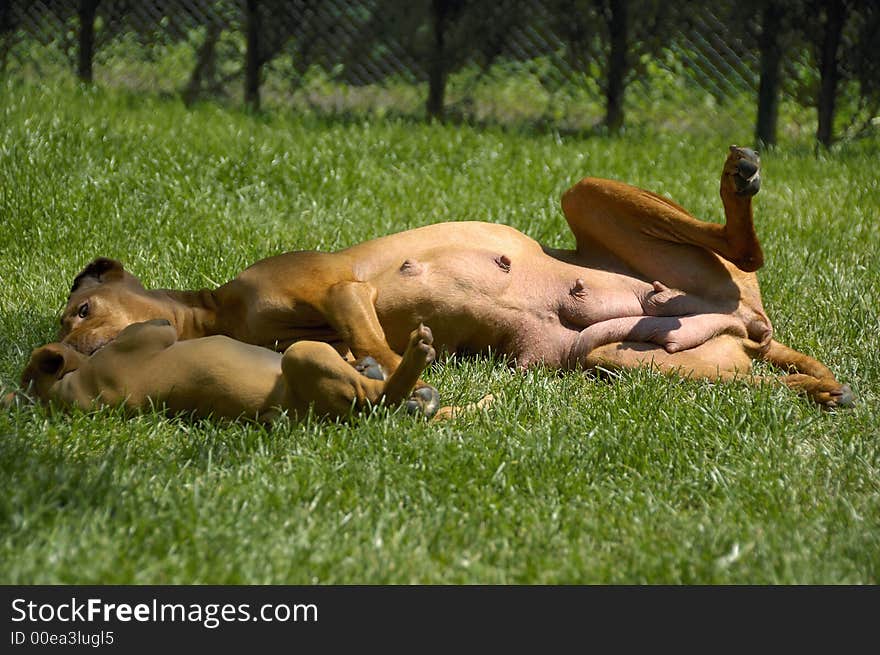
(147, 367)
(647, 285)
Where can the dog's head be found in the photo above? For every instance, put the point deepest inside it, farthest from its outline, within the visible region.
(103, 300)
(47, 365)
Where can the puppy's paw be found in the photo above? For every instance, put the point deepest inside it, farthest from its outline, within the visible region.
(421, 347)
(369, 367)
(424, 401)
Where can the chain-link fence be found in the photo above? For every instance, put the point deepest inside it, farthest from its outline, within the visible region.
(569, 64)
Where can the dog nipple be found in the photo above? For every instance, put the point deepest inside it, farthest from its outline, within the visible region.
(579, 288)
(410, 267)
(503, 262)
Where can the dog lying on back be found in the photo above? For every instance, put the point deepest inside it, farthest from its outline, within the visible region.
(146, 366)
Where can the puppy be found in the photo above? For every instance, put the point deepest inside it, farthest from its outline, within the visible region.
(146, 366)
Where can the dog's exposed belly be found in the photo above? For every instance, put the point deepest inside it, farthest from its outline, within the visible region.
(509, 296)
(530, 308)
(534, 307)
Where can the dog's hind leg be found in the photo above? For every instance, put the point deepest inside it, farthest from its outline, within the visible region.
(809, 376)
(402, 383)
(317, 376)
(726, 358)
(615, 223)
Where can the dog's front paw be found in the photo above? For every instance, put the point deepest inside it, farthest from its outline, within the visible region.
(424, 401)
(745, 167)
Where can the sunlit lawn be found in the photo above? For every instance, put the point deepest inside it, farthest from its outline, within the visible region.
(566, 479)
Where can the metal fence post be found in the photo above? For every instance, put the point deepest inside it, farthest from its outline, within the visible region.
(440, 14)
(835, 16)
(618, 28)
(768, 86)
(252, 56)
(87, 11)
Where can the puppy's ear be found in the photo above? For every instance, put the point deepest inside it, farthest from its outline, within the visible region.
(44, 362)
(102, 269)
(47, 364)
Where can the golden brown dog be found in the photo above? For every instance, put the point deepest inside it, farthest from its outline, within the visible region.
(485, 286)
(147, 367)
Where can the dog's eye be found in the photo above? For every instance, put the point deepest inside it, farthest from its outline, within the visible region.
(83, 310)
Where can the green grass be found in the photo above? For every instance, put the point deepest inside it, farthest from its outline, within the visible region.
(566, 479)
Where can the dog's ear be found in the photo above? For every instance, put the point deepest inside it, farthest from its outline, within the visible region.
(46, 366)
(102, 269)
(47, 361)
(42, 370)
(50, 362)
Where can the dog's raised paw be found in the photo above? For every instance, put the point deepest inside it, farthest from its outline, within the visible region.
(747, 176)
(424, 401)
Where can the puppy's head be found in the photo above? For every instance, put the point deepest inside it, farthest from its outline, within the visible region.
(47, 365)
(103, 300)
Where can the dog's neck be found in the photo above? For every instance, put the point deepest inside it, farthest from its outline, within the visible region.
(193, 313)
